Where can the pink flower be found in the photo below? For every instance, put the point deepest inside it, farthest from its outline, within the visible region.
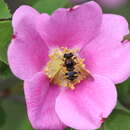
(98, 36)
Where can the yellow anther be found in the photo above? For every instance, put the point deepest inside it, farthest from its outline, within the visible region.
(59, 73)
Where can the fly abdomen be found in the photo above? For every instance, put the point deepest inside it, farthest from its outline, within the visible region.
(72, 75)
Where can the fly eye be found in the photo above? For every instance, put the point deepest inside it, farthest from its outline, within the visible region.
(66, 73)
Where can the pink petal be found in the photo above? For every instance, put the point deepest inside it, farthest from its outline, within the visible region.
(71, 27)
(27, 53)
(87, 105)
(40, 99)
(106, 55)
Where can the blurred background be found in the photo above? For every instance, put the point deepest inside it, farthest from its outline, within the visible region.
(13, 114)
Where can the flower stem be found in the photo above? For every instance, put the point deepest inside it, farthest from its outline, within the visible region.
(5, 19)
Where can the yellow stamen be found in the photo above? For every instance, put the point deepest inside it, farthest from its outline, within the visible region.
(58, 72)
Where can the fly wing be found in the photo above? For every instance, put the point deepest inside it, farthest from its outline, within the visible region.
(55, 78)
(83, 73)
(86, 73)
(59, 78)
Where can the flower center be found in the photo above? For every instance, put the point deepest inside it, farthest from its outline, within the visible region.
(65, 68)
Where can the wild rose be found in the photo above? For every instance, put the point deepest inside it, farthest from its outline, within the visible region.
(69, 62)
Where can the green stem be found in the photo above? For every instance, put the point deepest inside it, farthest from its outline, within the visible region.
(5, 19)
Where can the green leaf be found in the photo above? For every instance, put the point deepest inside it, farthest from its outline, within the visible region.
(16, 116)
(29, 2)
(124, 93)
(5, 30)
(68, 129)
(26, 125)
(49, 6)
(2, 116)
(4, 11)
(5, 37)
(121, 107)
(5, 72)
(118, 120)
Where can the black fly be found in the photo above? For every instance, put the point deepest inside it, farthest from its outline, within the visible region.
(70, 66)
